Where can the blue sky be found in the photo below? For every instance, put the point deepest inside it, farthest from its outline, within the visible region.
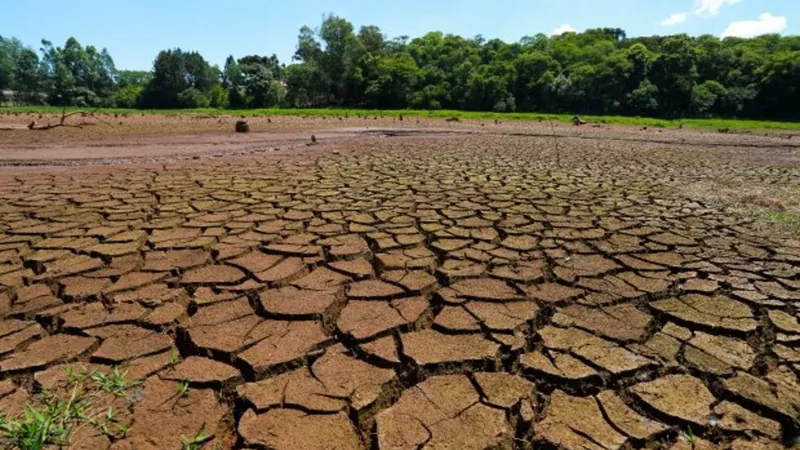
(135, 30)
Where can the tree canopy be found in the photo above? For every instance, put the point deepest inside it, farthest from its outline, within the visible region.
(599, 71)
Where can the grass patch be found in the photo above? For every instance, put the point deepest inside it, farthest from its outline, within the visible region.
(53, 417)
(711, 124)
(786, 220)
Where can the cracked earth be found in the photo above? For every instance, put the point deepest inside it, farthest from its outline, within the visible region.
(438, 291)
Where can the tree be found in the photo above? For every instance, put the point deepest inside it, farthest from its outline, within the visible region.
(643, 100)
(193, 98)
(74, 75)
(675, 73)
(395, 79)
(28, 79)
(599, 71)
(127, 78)
(705, 97)
(174, 73)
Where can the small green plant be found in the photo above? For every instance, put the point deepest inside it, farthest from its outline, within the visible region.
(690, 437)
(174, 358)
(53, 416)
(34, 430)
(115, 383)
(196, 441)
(183, 389)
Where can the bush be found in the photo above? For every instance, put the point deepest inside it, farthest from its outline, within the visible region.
(219, 97)
(128, 97)
(193, 98)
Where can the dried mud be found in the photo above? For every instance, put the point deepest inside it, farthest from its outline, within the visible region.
(471, 287)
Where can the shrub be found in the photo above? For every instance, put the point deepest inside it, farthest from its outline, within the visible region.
(193, 98)
(128, 97)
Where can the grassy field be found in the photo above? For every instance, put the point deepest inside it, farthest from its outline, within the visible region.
(732, 124)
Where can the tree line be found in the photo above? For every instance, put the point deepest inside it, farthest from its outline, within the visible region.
(599, 71)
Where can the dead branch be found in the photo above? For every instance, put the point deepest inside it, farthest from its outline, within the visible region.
(64, 116)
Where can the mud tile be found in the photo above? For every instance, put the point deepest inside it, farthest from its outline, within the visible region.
(442, 411)
(255, 262)
(321, 279)
(504, 390)
(123, 347)
(733, 417)
(626, 419)
(195, 369)
(731, 351)
(51, 349)
(297, 302)
(96, 314)
(552, 292)
(679, 396)
(373, 289)
(283, 342)
(286, 270)
(503, 316)
(600, 352)
(359, 268)
(716, 312)
(431, 347)
(24, 332)
(622, 322)
(162, 416)
(363, 320)
(174, 259)
(289, 429)
(558, 365)
(214, 274)
(576, 422)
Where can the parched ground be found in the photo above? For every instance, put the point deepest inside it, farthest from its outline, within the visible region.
(462, 286)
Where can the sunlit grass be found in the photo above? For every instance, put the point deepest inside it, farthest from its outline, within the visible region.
(786, 220)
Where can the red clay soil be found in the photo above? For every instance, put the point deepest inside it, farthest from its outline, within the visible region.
(431, 285)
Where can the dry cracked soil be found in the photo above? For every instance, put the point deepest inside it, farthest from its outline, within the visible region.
(482, 286)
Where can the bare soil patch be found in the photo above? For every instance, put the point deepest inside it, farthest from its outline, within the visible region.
(414, 285)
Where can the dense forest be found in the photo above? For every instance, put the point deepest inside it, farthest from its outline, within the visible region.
(599, 71)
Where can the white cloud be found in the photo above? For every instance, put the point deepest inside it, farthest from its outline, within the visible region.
(566, 28)
(765, 24)
(712, 7)
(702, 8)
(674, 19)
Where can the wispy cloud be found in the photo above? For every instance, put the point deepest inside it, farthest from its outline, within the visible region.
(566, 28)
(765, 24)
(712, 7)
(674, 19)
(702, 8)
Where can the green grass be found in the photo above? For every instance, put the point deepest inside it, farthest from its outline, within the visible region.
(194, 442)
(50, 420)
(789, 221)
(715, 124)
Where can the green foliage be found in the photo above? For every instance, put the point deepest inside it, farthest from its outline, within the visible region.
(219, 97)
(183, 389)
(75, 75)
(193, 98)
(194, 442)
(787, 220)
(127, 78)
(36, 429)
(180, 79)
(115, 383)
(596, 72)
(128, 96)
(51, 420)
